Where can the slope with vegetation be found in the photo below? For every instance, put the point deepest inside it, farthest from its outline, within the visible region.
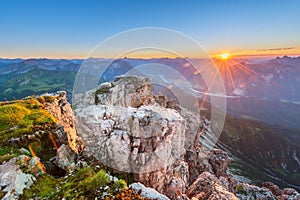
(26, 128)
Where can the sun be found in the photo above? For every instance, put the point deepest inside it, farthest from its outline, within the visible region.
(225, 56)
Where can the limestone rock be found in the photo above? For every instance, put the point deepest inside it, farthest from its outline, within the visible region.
(128, 91)
(246, 191)
(176, 188)
(286, 193)
(202, 186)
(220, 193)
(207, 186)
(219, 161)
(132, 139)
(147, 192)
(65, 158)
(85, 99)
(13, 180)
(198, 162)
(35, 166)
(61, 109)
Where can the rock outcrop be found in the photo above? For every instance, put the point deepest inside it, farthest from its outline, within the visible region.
(132, 130)
(61, 109)
(131, 139)
(13, 180)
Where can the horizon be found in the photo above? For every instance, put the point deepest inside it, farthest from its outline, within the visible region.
(162, 57)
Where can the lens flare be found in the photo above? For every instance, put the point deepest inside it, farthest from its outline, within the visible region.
(40, 165)
(57, 148)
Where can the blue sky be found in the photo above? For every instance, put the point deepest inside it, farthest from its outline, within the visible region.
(60, 28)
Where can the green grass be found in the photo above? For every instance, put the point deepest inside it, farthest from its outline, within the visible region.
(84, 183)
(7, 153)
(100, 91)
(20, 118)
(44, 187)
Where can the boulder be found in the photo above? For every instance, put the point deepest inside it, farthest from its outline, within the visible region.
(13, 180)
(65, 158)
(207, 186)
(147, 192)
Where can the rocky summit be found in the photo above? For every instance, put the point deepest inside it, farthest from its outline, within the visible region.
(125, 126)
(122, 141)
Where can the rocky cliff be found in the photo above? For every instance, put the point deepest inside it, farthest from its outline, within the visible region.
(126, 127)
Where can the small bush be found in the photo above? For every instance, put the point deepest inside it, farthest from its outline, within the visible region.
(119, 185)
(97, 181)
(100, 91)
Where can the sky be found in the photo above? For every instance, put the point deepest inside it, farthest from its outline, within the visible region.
(72, 29)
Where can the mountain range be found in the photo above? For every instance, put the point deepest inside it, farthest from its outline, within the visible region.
(262, 130)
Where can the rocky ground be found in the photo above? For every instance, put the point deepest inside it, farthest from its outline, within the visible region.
(123, 142)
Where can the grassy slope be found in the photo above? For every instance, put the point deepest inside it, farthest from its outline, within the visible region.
(21, 118)
(85, 183)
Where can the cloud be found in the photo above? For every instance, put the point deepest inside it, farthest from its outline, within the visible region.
(277, 49)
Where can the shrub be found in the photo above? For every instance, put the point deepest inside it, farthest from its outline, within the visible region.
(100, 91)
(97, 181)
(119, 185)
(240, 189)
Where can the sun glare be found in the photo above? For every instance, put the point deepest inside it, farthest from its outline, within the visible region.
(224, 56)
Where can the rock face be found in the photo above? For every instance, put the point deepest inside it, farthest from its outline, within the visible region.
(132, 130)
(13, 180)
(61, 109)
(129, 91)
(131, 139)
